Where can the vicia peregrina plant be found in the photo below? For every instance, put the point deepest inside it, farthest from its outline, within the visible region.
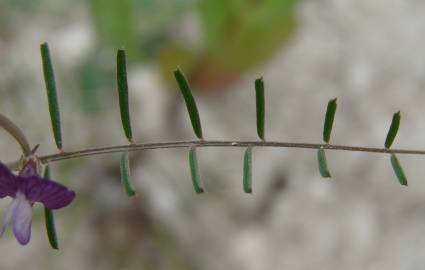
(28, 187)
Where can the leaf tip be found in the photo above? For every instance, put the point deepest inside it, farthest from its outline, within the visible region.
(178, 73)
(121, 53)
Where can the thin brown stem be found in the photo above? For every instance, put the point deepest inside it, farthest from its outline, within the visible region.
(187, 144)
(16, 133)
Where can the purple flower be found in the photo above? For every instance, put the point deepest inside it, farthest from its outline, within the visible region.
(26, 188)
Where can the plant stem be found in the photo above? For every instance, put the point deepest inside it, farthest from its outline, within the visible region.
(187, 144)
(14, 130)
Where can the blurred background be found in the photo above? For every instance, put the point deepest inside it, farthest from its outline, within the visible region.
(369, 54)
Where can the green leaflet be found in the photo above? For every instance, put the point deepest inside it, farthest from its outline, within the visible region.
(50, 228)
(247, 170)
(260, 104)
(392, 132)
(50, 219)
(123, 94)
(194, 171)
(125, 174)
(323, 166)
(49, 78)
(190, 102)
(329, 120)
(398, 170)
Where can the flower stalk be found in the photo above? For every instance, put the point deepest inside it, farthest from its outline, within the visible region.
(17, 134)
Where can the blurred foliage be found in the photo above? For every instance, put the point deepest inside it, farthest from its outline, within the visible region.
(95, 80)
(138, 25)
(241, 33)
(115, 22)
(237, 35)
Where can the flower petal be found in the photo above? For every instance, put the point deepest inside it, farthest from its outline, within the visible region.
(10, 210)
(22, 216)
(52, 194)
(29, 169)
(8, 184)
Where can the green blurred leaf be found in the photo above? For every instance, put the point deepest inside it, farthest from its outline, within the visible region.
(392, 132)
(94, 81)
(247, 171)
(125, 174)
(323, 166)
(142, 26)
(49, 78)
(190, 102)
(50, 219)
(398, 170)
(194, 171)
(123, 94)
(176, 55)
(116, 23)
(241, 34)
(329, 119)
(260, 106)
